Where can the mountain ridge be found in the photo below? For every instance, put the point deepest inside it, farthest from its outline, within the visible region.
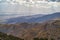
(34, 19)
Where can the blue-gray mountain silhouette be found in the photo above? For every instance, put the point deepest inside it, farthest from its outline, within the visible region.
(34, 19)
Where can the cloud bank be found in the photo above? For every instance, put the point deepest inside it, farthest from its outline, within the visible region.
(15, 9)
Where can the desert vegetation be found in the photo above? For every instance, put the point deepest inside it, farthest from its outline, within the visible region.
(4, 36)
(49, 30)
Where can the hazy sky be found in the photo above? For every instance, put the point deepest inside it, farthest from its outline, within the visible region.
(16, 7)
(11, 9)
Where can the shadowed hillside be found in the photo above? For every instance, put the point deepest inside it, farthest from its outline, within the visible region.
(28, 31)
(4, 36)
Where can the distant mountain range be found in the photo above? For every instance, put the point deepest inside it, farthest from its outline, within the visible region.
(24, 28)
(22, 19)
(34, 18)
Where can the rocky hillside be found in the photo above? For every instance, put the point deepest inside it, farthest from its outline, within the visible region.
(4, 36)
(28, 31)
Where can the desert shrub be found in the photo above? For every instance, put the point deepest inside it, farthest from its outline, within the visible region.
(36, 38)
(52, 39)
(43, 38)
(8, 37)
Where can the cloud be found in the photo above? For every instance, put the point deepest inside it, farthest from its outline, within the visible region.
(41, 8)
(8, 10)
(14, 9)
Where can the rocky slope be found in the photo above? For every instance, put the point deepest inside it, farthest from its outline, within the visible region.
(4, 36)
(28, 31)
